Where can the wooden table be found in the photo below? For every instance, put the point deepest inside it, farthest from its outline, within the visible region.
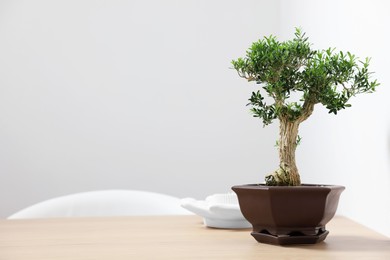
(172, 237)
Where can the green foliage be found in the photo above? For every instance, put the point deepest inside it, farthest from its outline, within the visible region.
(299, 139)
(260, 108)
(318, 76)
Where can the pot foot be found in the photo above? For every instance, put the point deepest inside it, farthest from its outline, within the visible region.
(291, 239)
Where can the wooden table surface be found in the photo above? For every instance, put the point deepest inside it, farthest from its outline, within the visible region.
(172, 237)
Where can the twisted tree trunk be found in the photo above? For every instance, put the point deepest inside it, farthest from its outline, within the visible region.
(287, 174)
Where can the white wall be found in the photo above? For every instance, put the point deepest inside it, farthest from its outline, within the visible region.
(131, 94)
(352, 148)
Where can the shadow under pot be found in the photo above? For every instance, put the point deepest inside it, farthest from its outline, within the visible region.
(284, 215)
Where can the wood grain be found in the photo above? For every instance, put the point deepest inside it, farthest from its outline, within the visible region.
(172, 237)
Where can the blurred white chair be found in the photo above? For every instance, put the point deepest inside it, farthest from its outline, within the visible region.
(105, 203)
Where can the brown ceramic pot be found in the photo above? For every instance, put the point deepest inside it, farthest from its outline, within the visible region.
(288, 214)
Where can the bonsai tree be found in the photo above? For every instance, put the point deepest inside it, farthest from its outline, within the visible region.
(296, 78)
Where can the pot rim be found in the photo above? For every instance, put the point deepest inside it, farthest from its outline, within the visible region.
(302, 186)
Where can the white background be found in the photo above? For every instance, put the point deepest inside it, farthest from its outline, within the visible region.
(140, 95)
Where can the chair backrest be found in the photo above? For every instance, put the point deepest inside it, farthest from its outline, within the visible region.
(105, 203)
